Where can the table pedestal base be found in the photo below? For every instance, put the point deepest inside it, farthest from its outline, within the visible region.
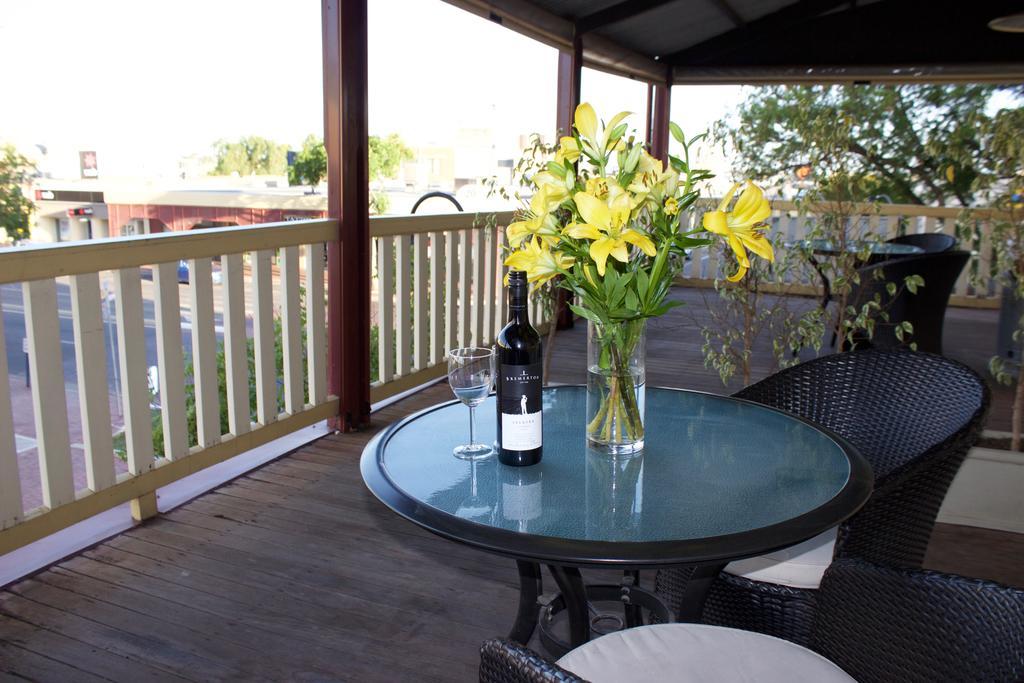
(577, 600)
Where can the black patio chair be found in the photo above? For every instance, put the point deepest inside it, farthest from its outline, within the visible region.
(925, 309)
(931, 242)
(876, 623)
(913, 416)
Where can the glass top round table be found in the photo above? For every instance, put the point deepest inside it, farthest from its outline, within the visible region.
(857, 246)
(719, 479)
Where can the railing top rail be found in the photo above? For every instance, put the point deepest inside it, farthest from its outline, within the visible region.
(384, 226)
(21, 264)
(881, 209)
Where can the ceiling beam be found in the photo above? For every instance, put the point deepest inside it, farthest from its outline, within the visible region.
(765, 28)
(615, 13)
(728, 10)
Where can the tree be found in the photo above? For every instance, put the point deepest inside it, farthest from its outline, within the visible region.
(310, 165)
(251, 155)
(15, 207)
(386, 154)
(916, 144)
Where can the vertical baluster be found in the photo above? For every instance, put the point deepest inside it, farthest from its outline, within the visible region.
(479, 285)
(47, 373)
(502, 270)
(93, 392)
(437, 314)
(465, 275)
(204, 352)
(385, 310)
(316, 325)
(451, 301)
(236, 356)
(131, 342)
(490, 247)
(170, 362)
(403, 293)
(291, 330)
(263, 337)
(11, 511)
(983, 229)
(420, 325)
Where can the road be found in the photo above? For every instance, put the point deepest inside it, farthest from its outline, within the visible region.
(15, 332)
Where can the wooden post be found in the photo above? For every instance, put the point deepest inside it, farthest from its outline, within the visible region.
(570, 70)
(348, 258)
(144, 506)
(659, 120)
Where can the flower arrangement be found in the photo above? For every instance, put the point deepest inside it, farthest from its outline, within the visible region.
(605, 217)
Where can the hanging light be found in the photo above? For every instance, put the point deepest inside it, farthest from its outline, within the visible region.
(1013, 23)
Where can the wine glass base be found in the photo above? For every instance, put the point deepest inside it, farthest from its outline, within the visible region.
(476, 451)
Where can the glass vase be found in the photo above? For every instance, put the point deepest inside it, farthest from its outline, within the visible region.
(616, 379)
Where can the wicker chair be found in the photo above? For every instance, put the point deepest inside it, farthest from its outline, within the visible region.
(876, 623)
(913, 416)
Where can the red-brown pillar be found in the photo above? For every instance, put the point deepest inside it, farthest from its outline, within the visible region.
(659, 121)
(346, 130)
(570, 70)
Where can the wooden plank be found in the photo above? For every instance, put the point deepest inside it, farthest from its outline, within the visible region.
(465, 286)
(291, 330)
(48, 400)
(45, 522)
(170, 361)
(263, 338)
(420, 325)
(479, 286)
(451, 299)
(20, 264)
(236, 346)
(138, 418)
(490, 251)
(403, 317)
(437, 296)
(316, 324)
(385, 308)
(204, 352)
(10, 479)
(383, 226)
(91, 367)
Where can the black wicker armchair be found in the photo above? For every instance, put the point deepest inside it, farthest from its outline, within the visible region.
(913, 416)
(876, 623)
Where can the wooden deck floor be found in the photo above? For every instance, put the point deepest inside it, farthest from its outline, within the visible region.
(295, 572)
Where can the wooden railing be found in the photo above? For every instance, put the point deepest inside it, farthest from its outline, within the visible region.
(437, 285)
(41, 271)
(975, 286)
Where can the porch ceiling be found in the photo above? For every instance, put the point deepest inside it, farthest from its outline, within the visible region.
(781, 41)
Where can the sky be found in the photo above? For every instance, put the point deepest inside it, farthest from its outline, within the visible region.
(145, 84)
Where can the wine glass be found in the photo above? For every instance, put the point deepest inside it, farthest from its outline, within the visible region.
(470, 371)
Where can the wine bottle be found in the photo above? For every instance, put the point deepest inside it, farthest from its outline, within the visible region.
(519, 368)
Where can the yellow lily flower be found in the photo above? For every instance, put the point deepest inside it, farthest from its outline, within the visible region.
(587, 126)
(554, 187)
(540, 263)
(568, 150)
(741, 226)
(606, 226)
(541, 222)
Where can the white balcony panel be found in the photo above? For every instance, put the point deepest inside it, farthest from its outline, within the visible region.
(437, 295)
(316, 325)
(131, 347)
(170, 360)
(93, 393)
(291, 330)
(403, 319)
(421, 329)
(10, 480)
(204, 352)
(236, 357)
(385, 308)
(263, 338)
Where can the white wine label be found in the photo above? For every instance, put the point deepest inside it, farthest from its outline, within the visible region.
(521, 416)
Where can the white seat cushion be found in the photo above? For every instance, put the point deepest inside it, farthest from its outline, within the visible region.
(697, 652)
(798, 566)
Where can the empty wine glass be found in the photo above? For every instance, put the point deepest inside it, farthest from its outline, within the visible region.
(470, 371)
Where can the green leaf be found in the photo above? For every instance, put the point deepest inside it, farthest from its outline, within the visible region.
(556, 169)
(585, 313)
(677, 132)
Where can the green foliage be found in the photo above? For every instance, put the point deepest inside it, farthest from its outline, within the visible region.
(251, 155)
(918, 144)
(310, 165)
(386, 154)
(15, 207)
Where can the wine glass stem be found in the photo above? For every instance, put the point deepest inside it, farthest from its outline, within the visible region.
(472, 438)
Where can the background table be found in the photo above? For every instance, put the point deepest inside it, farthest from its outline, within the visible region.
(719, 479)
